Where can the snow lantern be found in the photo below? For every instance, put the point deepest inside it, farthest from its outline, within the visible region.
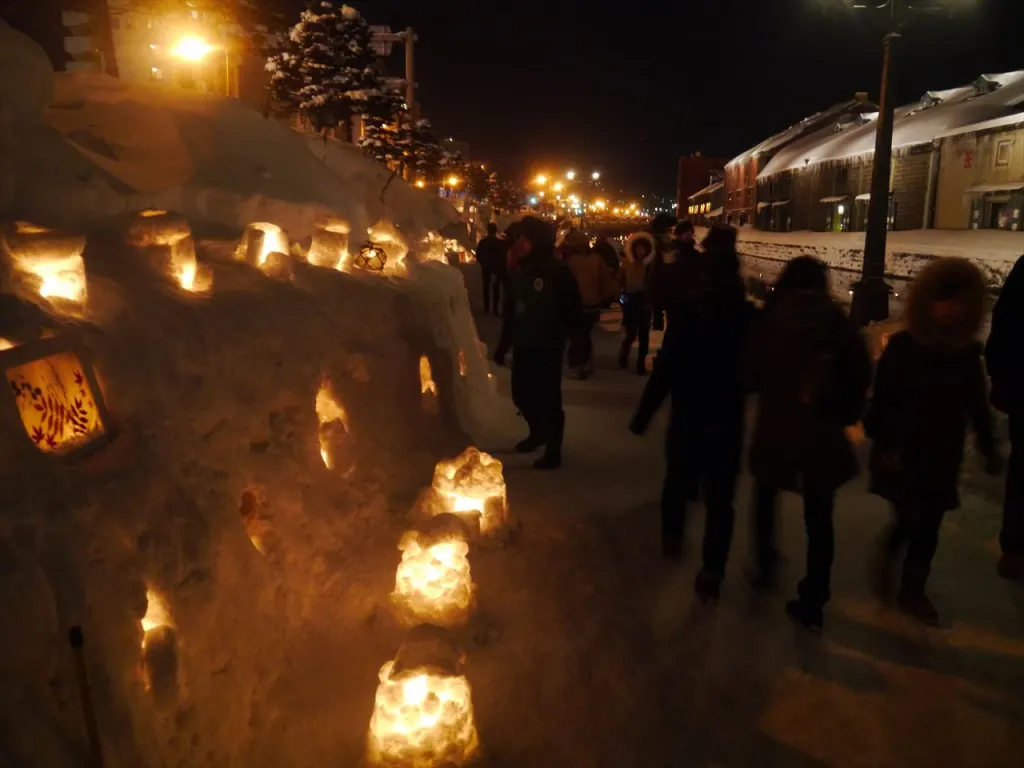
(49, 263)
(423, 708)
(455, 252)
(255, 511)
(6, 344)
(56, 396)
(432, 248)
(168, 240)
(334, 427)
(384, 236)
(260, 240)
(159, 664)
(472, 486)
(462, 364)
(433, 583)
(330, 245)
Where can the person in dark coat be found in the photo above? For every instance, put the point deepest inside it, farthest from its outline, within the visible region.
(930, 383)
(491, 255)
(607, 252)
(1004, 358)
(634, 281)
(811, 370)
(541, 308)
(700, 365)
(661, 229)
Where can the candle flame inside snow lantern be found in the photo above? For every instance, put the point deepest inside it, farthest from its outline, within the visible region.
(159, 664)
(330, 245)
(433, 582)
(56, 397)
(50, 263)
(422, 713)
(472, 485)
(171, 237)
(427, 385)
(384, 238)
(259, 240)
(333, 425)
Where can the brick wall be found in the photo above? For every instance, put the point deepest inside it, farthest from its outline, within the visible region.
(910, 187)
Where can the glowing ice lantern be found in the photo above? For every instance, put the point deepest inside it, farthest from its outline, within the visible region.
(56, 396)
(472, 486)
(260, 241)
(159, 649)
(330, 245)
(169, 235)
(334, 427)
(423, 711)
(49, 263)
(433, 582)
(427, 385)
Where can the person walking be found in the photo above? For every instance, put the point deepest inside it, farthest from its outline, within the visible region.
(542, 306)
(811, 370)
(701, 366)
(676, 274)
(597, 287)
(929, 384)
(1005, 362)
(491, 254)
(636, 303)
(661, 228)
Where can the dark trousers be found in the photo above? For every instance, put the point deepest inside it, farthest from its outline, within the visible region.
(707, 457)
(581, 341)
(537, 391)
(1011, 538)
(492, 289)
(636, 318)
(815, 588)
(915, 527)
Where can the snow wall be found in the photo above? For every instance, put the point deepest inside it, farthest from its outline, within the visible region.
(213, 503)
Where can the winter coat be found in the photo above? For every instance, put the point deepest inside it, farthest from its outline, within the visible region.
(491, 254)
(609, 255)
(930, 382)
(674, 276)
(543, 304)
(811, 370)
(1004, 355)
(634, 272)
(594, 279)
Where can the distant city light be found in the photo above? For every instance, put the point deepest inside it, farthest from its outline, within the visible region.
(421, 183)
(595, 175)
(533, 200)
(453, 181)
(557, 186)
(570, 175)
(541, 179)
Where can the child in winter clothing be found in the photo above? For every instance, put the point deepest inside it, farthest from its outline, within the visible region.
(636, 307)
(597, 287)
(930, 382)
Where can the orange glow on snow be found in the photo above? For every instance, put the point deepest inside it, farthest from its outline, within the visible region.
(473, 483)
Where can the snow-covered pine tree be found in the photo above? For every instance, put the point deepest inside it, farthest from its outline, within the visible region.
(387, 129)
(325, 69)
(425, 151)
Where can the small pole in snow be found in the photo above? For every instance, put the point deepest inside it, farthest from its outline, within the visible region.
(77, 640)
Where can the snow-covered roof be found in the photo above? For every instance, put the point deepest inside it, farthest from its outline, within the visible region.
(1003, 186)
(916, 123)
(996, 122)
(712, 187)
(781, 139)
(715, 213)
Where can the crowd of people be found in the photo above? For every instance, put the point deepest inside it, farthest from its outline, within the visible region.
(812, 374)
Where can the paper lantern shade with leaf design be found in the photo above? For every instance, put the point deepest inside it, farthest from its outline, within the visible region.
(54, 397)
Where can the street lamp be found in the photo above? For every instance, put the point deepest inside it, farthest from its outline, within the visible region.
(193, 50)
(557, 186)
(595, 176)
(870, 293)
(570, 175)
(541, 180)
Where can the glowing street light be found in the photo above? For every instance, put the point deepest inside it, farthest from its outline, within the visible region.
(595, 175)
(540, 194)
(570, 175)
(541, 180)
(557, 186)
(453, 181)
(191, 48)
(420, 183)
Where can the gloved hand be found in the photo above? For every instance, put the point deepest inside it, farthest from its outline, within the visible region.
(637, 425)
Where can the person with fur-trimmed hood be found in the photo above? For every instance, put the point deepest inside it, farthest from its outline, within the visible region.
(701, 366)
(634, 276)
(1005, 362)
(811, 370)
(929, 385)
(541, 308)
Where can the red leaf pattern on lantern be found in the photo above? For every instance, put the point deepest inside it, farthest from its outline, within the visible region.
(65, 412)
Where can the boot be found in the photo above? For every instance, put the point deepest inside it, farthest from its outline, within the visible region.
(552, 458)
(708, 587)
(641, 367)
(624, 355)
(532, 441)
(918, 606)
(809, 617)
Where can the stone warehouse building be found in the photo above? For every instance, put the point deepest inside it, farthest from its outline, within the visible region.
(822, 179)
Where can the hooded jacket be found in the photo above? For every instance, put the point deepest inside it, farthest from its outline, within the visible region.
(811, 370)
(929, 384)
(634, 272)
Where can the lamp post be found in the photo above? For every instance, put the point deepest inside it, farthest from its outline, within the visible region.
(870, 293)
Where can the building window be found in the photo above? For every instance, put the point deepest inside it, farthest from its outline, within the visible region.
(842, 174)
(1003, 153)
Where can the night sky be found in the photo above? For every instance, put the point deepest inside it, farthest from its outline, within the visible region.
(628, 87)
